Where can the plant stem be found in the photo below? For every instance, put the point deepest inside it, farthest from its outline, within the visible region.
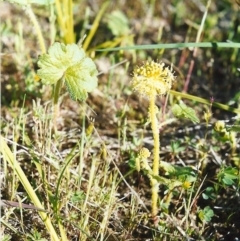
(57, 89)
(204, 101)
(156, 159)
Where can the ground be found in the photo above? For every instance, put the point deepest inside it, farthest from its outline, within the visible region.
(82, 164)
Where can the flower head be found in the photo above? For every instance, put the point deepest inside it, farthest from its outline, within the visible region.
(152, 79)
(186, 185)
(144, 153)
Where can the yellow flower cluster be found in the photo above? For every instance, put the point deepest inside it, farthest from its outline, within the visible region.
(143, 154)
(152, 79)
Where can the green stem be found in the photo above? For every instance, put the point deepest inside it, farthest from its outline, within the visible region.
(57, 89)
(156, 153)
(204, 101)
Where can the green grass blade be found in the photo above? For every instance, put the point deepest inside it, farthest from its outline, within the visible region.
(176, 45)
(204, 101)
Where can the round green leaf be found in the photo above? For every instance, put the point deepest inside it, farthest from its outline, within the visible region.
(70, 63)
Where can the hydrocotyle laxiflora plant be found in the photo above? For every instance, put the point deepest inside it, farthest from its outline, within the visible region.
(151, 80)
(69, 65)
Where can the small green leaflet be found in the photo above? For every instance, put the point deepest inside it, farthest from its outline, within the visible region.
(118, 23)
(27, 2)
(209, 193)
(228, 175)
(235, 128)
(182, 111)
(206, 214)
(69, 62)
